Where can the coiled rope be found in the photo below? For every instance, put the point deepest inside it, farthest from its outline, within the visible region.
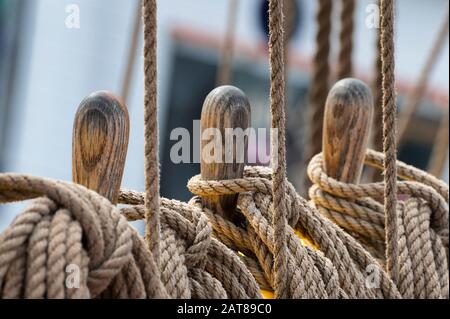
(192, 252)
(422, 221)
(75, 227)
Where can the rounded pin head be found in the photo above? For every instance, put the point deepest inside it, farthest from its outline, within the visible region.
(100, 143)
(225, 118)
(347, 123)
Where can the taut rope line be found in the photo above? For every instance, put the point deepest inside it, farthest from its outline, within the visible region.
(151, 158)
(389, 135)
(277, 108)
(319, 86)
(345, 68)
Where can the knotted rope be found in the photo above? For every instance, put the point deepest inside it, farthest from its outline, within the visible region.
(272, 251)
(75, 227)
(336, 269)
(422, 220)
(71, 227)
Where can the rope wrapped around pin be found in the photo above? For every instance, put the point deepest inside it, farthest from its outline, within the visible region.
(72, 243)
(72, 228)
(327, 263)
(256, 211)
(193, 263)
(422, 218)
(357, 208)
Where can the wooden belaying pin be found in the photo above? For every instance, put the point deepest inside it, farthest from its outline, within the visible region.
(347, 123)
(223, 155)
(100, 144)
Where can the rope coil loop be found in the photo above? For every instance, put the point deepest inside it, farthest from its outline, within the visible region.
(326, 263)
(72, 229)
(422, 220)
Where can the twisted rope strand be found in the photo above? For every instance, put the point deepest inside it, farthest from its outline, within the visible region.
(345, 67)
(151, 160)
(319, 87)
(277, 108)
(422, 220)
(389, 135)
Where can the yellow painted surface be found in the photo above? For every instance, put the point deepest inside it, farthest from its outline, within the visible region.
(267, 294)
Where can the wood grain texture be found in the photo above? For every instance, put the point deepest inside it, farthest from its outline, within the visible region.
(225, 108)
(100, 144)
(347, 123)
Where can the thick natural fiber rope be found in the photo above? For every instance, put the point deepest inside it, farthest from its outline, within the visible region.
(336, 270)
(389, 135)
(439, 155)
(151, 158)
(73, 226)
(422, 218)
(277, 110)
(344, 67)
(319, 86)
(415, 97)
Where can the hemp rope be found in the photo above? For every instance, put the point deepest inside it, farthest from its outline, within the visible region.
(345, 68)
(151, 158)
(319, 86)
(72, 225)
(422, 218)
(277, 110)
(389, 135)
(415, 97)
(439, 154)
(336, 269)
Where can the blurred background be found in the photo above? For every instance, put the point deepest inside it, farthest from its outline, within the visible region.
(50, 60)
